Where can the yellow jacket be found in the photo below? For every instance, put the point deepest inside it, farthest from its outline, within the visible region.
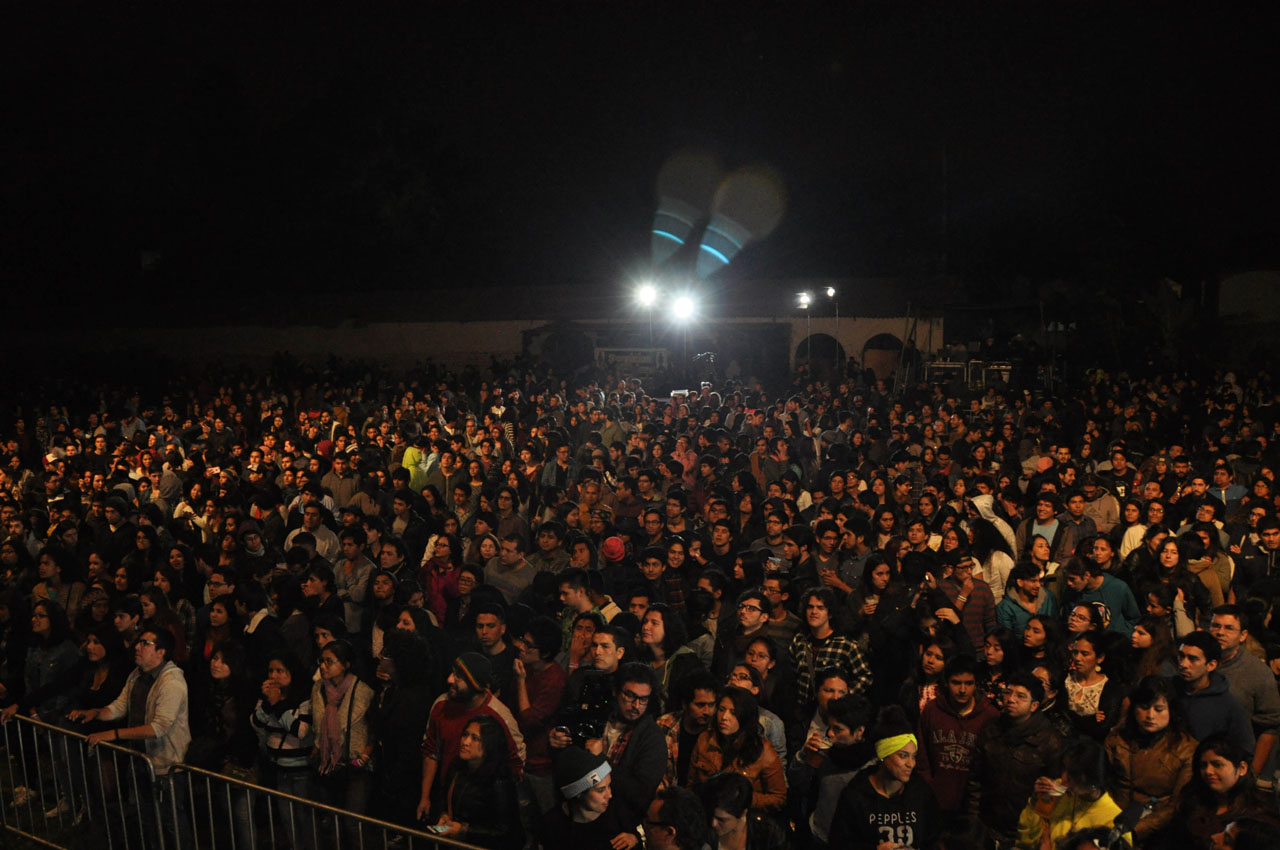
(1070, 814)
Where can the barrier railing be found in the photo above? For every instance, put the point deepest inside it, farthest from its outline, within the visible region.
(59, 793)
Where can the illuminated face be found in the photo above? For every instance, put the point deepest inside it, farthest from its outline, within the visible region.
(1219, 773)
(816, 613)
(489, 630)
(605, 654)
(1033, 636)
(1018, 703)
(1153, 718)
(383, 588)
(758, 657)
(633, 700)
(902, 763)
(932, 660)
(751, 614)
(1084, 658)
(992, 652)
(652, 630)
(727, 718)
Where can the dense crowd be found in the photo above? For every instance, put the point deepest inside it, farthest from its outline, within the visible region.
(525, 610)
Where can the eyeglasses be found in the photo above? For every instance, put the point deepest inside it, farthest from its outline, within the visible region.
(146, 642)
(745, 607)
(632, 697)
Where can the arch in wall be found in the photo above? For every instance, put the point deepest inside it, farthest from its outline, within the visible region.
(881, 354)
(828, 354)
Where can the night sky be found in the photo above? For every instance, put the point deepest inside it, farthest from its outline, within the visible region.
(175, 156)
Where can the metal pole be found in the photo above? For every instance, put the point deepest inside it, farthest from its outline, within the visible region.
(839, 348)
(808, 333)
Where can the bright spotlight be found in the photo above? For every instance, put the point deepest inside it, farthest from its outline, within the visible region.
(683, 308)
(805, 300)
(646, 294)
(831, 292)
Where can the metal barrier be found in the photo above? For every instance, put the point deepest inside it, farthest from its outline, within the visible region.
(62, 794)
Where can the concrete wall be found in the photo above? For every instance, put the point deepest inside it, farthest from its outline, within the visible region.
(854, 333)
(454, 344)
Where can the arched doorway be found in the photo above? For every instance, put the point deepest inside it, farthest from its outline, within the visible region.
(881, 355)
(568, 350)
(825, 354)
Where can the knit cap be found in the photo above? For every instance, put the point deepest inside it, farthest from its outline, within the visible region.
(578, 771)
(476, 669)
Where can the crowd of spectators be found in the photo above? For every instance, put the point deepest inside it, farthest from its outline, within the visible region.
(526, 610)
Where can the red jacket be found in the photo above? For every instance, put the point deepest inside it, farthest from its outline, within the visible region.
(947, 743)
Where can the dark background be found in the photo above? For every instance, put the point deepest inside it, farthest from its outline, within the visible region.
(228, 155)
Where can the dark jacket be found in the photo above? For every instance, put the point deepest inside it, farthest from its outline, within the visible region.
(399, 720)
(1006, 763)
(641, 768)
(864, 818)
(1214, 711)
(491, 810)
(560, 830)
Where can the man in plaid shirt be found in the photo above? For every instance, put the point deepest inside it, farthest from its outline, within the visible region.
(819, 646)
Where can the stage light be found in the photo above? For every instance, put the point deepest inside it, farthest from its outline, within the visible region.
(831, 292)
(683, 308)
(646, 294)
(805, 300)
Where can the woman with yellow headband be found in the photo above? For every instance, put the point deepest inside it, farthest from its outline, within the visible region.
(887, 806)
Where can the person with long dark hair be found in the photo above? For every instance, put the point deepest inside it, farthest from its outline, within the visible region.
(734, 742)
(664, 646)
(993, 552)
(1200, 591)
(104, 669)
(1163, 601)
(283, 723)
(223, 625)
(1093, 697)
(166, 581)
(1222, 789)
(340, 704)
(921, 687)
(398, 719)
(221, 701)
(51, 668)
(883, 523)
(383, 610)
(1043, 638)
(156, 613)
(1150, 754)
(1153, 644)
(776, 680)
(877, 584)
(439, 574)
(479, 804)
(56, 569)
(999, 655)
